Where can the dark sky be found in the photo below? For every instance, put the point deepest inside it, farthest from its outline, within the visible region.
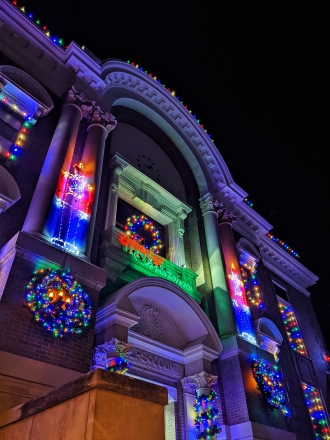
(255, 76)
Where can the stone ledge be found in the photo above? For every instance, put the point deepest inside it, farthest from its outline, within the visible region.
(100, 379)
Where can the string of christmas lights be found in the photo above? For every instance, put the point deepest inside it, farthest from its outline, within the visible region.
(205, 415)
(268, 383)
(291, 327)
(118, 365)
(58, 301)
(252, 287)
(172, 92)
(316, 412)
(283, 245)
(58, 41)
(141, 221)
(248, 202)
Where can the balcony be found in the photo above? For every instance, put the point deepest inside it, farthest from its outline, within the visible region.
(123, 258)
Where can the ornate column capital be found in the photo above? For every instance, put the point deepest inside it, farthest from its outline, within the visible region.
(97, 116)
(207, 203)
(109, 349)
(200, 380)
(225, 216)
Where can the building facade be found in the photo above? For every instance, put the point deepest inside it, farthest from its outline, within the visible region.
(126, 242)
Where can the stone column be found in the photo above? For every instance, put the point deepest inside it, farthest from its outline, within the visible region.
(111, 215)
(176, 246)
(224, 311)
(104, 354)
(199, 384)
(59, 157)
(100, 125)
(235, 281)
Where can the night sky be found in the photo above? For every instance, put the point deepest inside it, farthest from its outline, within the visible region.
(254, 74)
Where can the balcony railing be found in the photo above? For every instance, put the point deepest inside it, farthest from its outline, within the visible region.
(120, 251)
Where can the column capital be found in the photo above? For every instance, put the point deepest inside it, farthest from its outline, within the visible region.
(200, 380)
(97, 116)
(225, 216)
(109, 349)
(208, 203)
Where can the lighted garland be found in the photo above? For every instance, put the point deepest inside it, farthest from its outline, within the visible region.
(268, 383)
(283, 245)
(58, 301)
(316, 412)
(172, 92)
(118, 365)
(252, 287)
(205, 415)
(141, 221)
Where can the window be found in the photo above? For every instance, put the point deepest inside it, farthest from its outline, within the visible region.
(316, 411)
(280, 292)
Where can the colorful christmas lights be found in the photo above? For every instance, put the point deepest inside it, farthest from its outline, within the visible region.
(141, 221)
(268, 383)
(284, 245)
(68, 220)
(241, 308)
(316, 412)
(252, 287)
(58, 301)
(248, 202)
(205, 415)
(118, 364)
(58, 41)
(291, 327)
(171, 92)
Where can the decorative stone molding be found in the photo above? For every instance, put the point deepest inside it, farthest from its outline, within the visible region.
(202, 380)
(109, 349)
(248, 254)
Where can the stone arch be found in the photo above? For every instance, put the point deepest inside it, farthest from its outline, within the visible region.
(268, 336)
(130, 87)
(9, 191)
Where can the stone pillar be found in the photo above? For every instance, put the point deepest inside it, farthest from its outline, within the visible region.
(176, 245)
(199, 384)
(241, 308)
(111, 215)
(104, 353)
(59, 157)
(100, 125)
(225, 318)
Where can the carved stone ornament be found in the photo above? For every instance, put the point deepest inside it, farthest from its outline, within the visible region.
(200, 380)
(209, 204)
(225, 216)
(109, 349)
(90, 110)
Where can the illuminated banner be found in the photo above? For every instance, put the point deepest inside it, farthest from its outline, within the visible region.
(152, 262)
(240, 304)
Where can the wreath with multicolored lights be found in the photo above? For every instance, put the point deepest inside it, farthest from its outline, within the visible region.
(118, 365)
(268, 383)
(58, 301)
(206, 413)
(141, 221)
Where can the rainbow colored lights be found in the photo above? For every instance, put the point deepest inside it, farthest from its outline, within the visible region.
(68, 219)
(58, 301)
(291, 327)
(58, 41)
(268, 383)
(141, 221)
(205, 415)
(171, 92)
(117, 364)
(240, 305)
(316, 412)
(248, 202)
(252, 287)
(283, 245)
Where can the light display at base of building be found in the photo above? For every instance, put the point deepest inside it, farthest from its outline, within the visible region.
(69, 216)
(316, 412)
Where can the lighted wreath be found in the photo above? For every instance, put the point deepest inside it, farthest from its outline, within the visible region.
(141, 221)
(268, 383)
(58, 301)
(205, 415)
